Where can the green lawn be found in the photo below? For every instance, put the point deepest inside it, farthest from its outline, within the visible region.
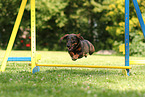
(17, 81)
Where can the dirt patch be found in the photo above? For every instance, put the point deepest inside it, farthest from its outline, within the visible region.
(106, 52)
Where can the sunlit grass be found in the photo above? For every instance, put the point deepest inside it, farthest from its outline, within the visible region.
(71, 82)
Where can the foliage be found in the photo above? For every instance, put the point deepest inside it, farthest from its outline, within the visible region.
(137, 46)
(116, 27)
(99, 21)
(8, 12)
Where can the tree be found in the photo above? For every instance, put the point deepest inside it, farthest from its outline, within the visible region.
(99, 21)
(8, 12)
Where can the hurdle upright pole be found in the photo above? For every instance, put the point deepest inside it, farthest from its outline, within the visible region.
(33, 36)
(13, 35)
(138, 12)
(127, 34)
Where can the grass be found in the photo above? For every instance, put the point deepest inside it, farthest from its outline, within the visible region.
(17, 81)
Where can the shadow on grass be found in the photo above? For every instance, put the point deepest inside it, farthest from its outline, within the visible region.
(74, 71)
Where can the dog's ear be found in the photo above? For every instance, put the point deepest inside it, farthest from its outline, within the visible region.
(79, 36)
(64, 37)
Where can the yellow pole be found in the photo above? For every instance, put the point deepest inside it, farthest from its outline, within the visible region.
(33, 36)
(13, 35)
(85, 66)
(137, 62)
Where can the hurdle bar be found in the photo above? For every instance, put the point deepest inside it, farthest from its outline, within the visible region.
(84, 66)
(12, 59)
(125, 69)
(19, 59)
(137, 62)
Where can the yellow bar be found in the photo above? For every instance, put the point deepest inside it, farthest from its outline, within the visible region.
(137, 62)
(13, 35)
(85, 66)
(33, 36)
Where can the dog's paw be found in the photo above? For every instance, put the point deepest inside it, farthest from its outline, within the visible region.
(75, 58)
(85, 55)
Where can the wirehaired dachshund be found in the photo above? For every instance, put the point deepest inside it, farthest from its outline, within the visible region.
(78, 46)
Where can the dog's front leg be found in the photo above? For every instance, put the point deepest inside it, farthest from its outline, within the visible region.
(74, 56)
(77, 55)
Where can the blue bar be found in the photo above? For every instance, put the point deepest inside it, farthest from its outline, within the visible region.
(19, 59)
(127, 34)
(139, 16)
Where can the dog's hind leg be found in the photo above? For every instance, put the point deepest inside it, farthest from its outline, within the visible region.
(85, 55)
(91, 53)
(92, 49)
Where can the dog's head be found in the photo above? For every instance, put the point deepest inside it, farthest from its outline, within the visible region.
(73, 40)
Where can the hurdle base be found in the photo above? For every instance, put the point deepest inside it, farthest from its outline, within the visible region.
(36, 69)
(125, 72)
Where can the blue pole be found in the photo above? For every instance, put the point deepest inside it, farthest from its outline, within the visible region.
(139, 16)
(127, 34)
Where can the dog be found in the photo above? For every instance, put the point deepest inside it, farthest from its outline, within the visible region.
(77, 46)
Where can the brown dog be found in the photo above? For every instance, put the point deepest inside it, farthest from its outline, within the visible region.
(78, 46)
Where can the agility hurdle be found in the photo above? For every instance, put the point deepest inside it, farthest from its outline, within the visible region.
(14, 33)
(35, 65)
